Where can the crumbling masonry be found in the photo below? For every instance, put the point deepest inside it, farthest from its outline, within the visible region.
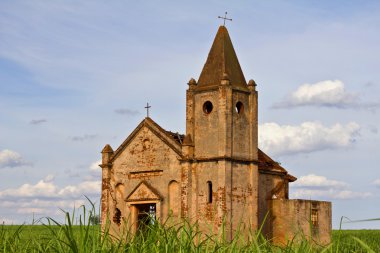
(214, 173)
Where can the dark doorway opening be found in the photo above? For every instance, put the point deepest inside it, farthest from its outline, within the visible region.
(146, 216)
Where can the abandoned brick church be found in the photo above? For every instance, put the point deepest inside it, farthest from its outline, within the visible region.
(214, 173)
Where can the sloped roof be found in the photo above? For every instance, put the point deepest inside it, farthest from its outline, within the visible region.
(268, 164)
(175, 140)
(176, 136)
(221, 59)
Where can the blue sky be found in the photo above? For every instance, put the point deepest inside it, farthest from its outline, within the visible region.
(77, 75)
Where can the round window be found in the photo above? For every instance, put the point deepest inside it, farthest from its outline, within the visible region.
(239, 107)
(207, 107)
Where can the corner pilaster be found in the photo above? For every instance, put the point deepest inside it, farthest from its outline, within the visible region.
(106, 165)
(253, 119)
(225, 117)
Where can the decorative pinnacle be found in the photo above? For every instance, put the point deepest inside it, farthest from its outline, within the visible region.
(192, 82)
(252, 83)
(107, 149)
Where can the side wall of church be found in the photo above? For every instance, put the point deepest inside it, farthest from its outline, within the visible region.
(234, 195)
(244, 196)
(267, 183)
(150, 159)
(295, 218)
(207, 195)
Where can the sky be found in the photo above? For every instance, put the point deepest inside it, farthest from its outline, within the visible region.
(76, 75)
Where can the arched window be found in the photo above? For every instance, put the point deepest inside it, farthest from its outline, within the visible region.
(174, 198)
(120, 193)
(117, 216)
(239, 108)
(209, 191)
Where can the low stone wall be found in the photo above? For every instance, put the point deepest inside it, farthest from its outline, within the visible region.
(298, 219)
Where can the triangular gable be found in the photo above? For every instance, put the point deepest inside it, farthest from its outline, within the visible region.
(143, 192)
(157, 130)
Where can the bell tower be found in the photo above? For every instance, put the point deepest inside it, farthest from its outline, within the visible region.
(222, 107)
(221, 141)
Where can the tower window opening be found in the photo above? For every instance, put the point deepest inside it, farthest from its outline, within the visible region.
(207, 107)
(209, 192)
(239, 107)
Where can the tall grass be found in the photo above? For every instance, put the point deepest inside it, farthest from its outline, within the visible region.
(82, 236)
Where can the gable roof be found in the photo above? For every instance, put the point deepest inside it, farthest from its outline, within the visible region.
(162, 134)
(222, 59)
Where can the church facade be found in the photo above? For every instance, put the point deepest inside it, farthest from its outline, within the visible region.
(214, 174)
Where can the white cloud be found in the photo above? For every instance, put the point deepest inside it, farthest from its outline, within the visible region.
(9, 158)
(329, 93)
(377, 182)
(46, 188)
(95, 166)
(314, 181)
(84, 188)
(41, 189)
(46, 199)
(307, 137)
(329, 194)
(39, 207)
(316, 187)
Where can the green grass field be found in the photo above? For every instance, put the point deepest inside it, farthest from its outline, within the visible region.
(56, 237)
(40, 238)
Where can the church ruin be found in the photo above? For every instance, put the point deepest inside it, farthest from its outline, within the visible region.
(213, 173)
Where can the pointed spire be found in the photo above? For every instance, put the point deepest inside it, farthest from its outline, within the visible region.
(222, 60)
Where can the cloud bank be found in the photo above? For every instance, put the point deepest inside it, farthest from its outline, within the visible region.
(45, 197)
(308, 137)
(45, 188)
(328, 93)
(316, 187)
(11, 159)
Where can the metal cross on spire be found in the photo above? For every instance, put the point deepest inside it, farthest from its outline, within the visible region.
(147, 109)
(225, 18)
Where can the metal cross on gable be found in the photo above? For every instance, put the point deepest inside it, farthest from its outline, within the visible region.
(147, 109)
(225, 18)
